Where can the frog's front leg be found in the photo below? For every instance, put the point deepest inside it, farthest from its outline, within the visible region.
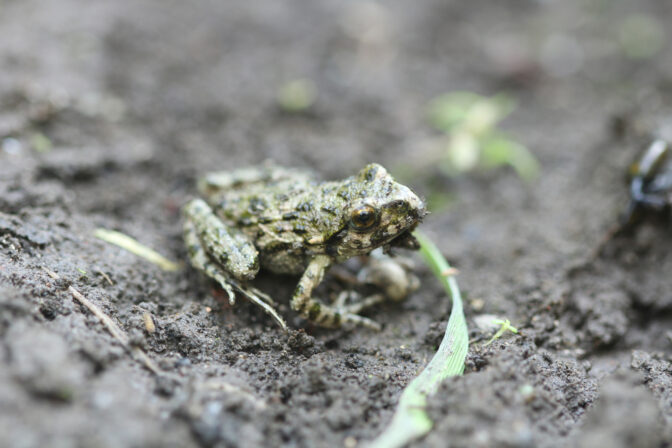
(225, 245)
(223, 254)
(317, 311)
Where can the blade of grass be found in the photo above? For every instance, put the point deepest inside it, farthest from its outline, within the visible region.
(131, 245)
(411, 421)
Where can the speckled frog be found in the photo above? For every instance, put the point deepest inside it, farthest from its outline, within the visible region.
(286, 221)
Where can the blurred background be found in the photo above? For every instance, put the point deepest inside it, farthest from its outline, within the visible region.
(517, 120)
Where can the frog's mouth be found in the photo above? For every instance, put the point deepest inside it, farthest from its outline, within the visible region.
(405, 240)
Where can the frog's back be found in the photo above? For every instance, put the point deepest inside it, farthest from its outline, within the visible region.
(255, 191)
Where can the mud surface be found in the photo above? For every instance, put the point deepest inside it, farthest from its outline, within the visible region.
(110, 110)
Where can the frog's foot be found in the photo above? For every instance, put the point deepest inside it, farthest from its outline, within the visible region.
(321, 314)
(357, 305)
(359, 320)
(334, 317)
(200, 260)
(392, 276)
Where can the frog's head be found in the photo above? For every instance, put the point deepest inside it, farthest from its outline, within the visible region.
(378, 212)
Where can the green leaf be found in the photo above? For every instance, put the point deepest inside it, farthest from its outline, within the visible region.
(450, 109)
(468, 110)
(411, 421)
(499, 150)
(297, 95)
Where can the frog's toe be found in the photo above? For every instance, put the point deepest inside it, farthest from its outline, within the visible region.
(263, 296)
(359, 305)
(361, 320)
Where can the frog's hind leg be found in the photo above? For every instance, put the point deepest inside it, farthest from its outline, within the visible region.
(200, 260)
(318, 312)
(359, 305)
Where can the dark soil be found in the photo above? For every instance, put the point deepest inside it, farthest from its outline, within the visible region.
(137, 98)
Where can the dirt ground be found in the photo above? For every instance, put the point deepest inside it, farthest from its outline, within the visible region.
(109, 111)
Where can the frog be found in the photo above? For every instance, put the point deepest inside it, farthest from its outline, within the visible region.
(287, 221)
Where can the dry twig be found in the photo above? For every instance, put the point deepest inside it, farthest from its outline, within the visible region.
(111, 326)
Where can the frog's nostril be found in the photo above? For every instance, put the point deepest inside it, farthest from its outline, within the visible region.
(418, 213)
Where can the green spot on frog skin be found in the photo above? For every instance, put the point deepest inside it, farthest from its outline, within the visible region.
(314, 311)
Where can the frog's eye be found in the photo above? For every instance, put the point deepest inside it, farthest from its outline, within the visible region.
(363, 217)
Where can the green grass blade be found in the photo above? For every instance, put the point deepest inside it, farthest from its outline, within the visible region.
(411, 421)
(133, 246)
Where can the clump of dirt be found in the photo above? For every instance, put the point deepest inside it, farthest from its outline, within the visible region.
(527, 397)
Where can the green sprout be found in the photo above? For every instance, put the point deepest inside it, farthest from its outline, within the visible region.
(505, 326)
(40, 142)
(297, 95)
(473, 140)
(131, 245)
(642, 36)
(410, 420)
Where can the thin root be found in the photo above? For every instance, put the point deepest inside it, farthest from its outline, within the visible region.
(259, 300)
(110, 325)
(105, 276)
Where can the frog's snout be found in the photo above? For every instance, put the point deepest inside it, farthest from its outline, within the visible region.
(418, 210)
(418, 213)
(416, 206)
